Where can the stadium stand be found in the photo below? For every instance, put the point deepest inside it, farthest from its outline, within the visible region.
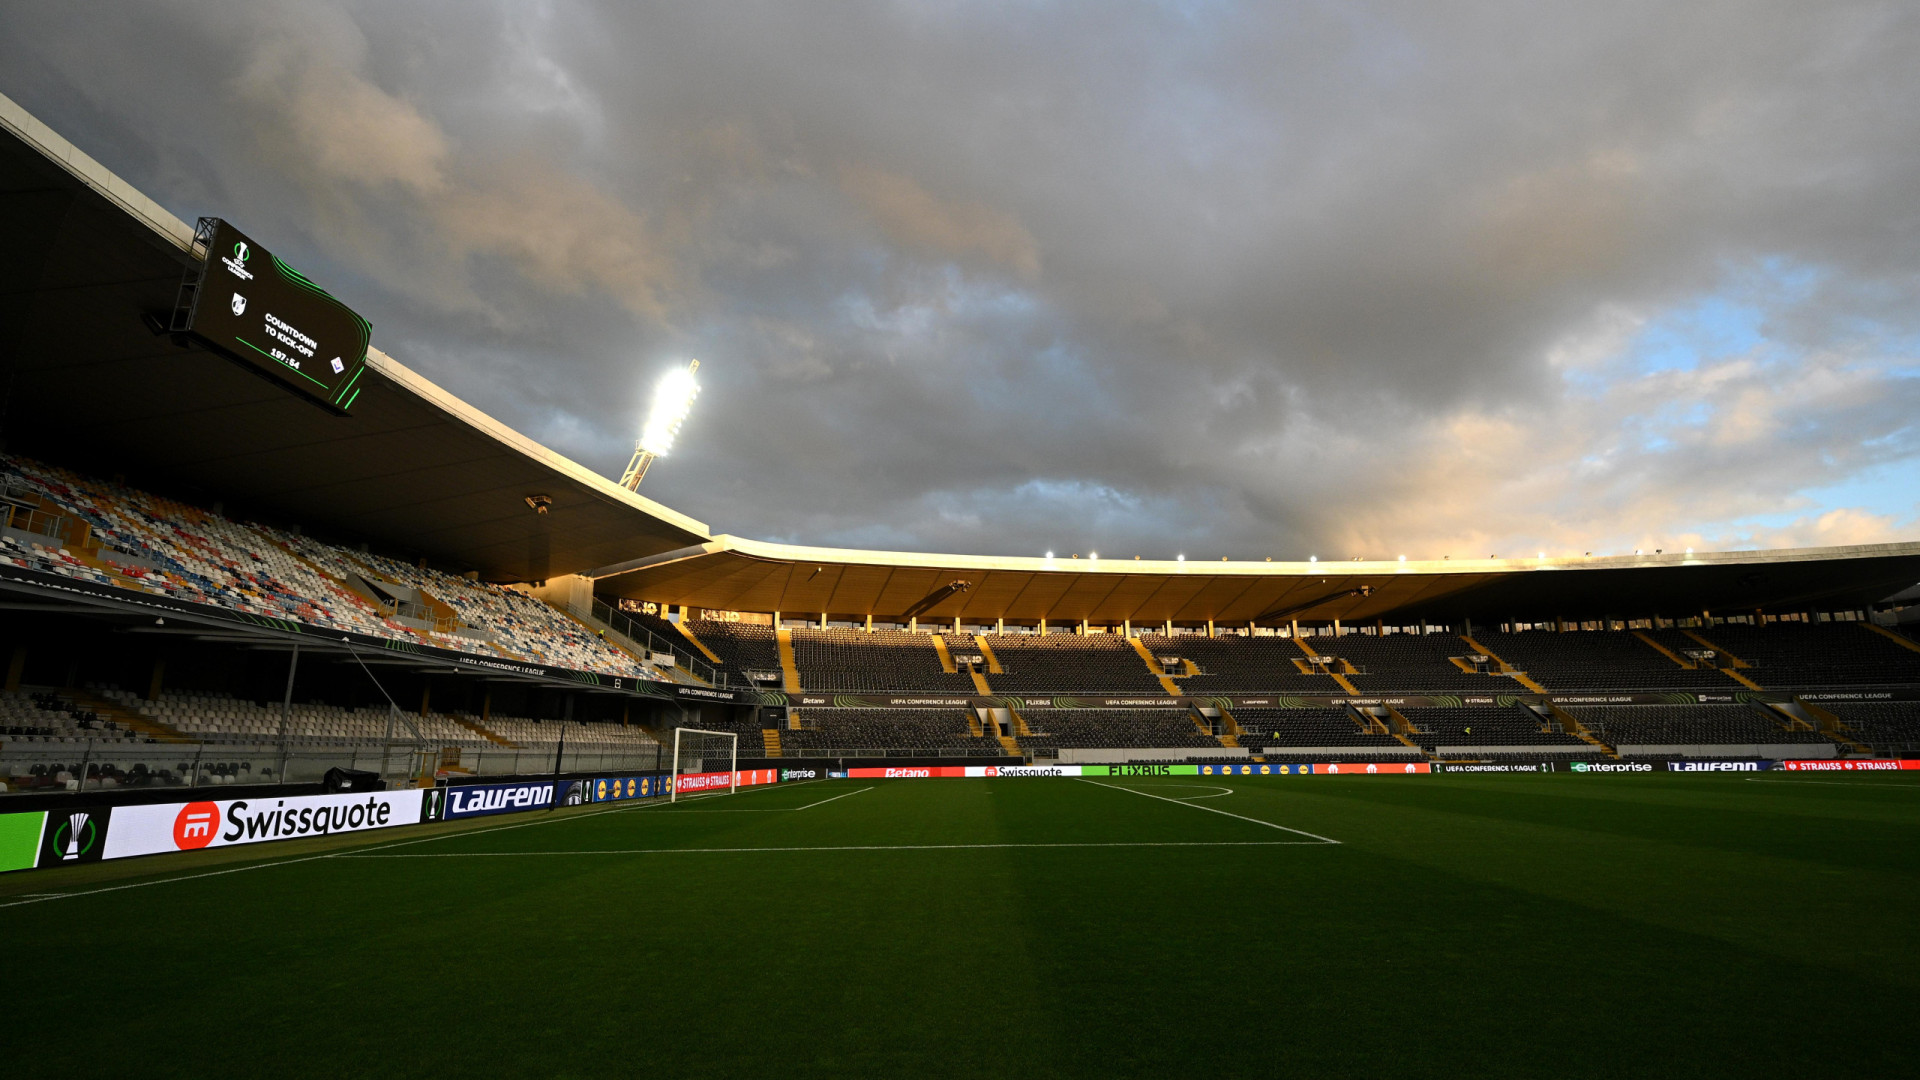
(109, 534)
(1793, 655)
(1053, 729)
(744, 649)
(1456, 729)
(1235, 665)
(1596, 660)
(1070, 664)
(1409, 663)
(937, 732)
(1891, 727)
(884, 660)
(1689, 725)
(1269, 732)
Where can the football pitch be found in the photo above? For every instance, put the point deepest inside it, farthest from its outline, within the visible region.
(1553, 925)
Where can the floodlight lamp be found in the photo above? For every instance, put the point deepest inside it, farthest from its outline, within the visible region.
(1093, 554)
(1049, 554)
(672, 400)
(1313, 558)
(1403, 558)
(1179, 558)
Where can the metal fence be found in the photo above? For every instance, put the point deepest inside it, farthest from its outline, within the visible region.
(97, 765)
(682, 651)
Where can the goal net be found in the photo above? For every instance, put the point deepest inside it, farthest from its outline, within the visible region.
(704, 761)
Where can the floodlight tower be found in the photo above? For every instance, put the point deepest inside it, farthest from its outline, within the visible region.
(672, 401)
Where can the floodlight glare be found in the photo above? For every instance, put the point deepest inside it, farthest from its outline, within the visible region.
(672, 401)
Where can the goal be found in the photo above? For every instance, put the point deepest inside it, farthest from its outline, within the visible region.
(704, 761)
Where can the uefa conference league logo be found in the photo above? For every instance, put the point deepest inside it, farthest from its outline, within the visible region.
(75, 835)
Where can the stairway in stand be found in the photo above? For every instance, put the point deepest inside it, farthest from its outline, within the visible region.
(145, 726)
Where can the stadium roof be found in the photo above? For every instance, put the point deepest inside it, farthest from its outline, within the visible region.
(416, 469)
(730, 573)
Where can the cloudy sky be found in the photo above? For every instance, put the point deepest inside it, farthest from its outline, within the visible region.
(1265, 280)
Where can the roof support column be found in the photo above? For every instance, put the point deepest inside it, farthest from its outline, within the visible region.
(1043, 628)
(1000, 625)
(1209, 627)
(869, 622)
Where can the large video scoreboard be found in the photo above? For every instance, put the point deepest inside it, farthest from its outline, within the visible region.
(265, 314)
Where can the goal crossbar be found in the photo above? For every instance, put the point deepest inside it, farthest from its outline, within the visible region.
(733, 759)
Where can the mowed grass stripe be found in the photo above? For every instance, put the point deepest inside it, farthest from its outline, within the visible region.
(1439, 939)
(1741, 894)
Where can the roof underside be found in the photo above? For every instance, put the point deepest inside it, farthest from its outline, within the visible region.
(413, 470)
(736, 575)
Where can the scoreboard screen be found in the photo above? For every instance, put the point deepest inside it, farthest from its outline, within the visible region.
(268, 316)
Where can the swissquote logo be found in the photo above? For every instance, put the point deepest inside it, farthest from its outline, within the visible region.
(194, 825)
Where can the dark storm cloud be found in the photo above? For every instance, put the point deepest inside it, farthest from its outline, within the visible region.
(1205, 278)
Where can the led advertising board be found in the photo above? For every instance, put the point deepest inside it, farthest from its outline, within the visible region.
(263, 313)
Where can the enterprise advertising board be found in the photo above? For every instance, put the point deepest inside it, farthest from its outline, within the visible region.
(166, 827)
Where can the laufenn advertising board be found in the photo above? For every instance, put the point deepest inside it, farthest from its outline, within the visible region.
(151, 830)
(263, 313)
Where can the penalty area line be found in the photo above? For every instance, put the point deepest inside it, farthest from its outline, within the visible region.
(1210, 810)
(842, 847)
(782, 809)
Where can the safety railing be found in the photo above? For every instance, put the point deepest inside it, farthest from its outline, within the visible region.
(652, 642)
(111, 764)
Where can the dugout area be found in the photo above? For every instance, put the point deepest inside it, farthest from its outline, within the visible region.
(1571, 925)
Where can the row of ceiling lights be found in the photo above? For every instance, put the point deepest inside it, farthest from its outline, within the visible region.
(1095, 556)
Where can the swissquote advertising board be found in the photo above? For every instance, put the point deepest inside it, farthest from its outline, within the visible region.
(151, 830)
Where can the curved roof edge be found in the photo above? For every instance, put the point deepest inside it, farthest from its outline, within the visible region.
(174, 232)
(795, 553)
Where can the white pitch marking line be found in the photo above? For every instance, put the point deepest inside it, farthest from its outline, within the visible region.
(1209, 809)
(35, 898)
(1219, 791)
(848, 847)
(43, 897)
(780, 809)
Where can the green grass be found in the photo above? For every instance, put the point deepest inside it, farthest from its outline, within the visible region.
(1556, 925)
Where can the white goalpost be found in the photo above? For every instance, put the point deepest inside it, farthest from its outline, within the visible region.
(705, 757)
